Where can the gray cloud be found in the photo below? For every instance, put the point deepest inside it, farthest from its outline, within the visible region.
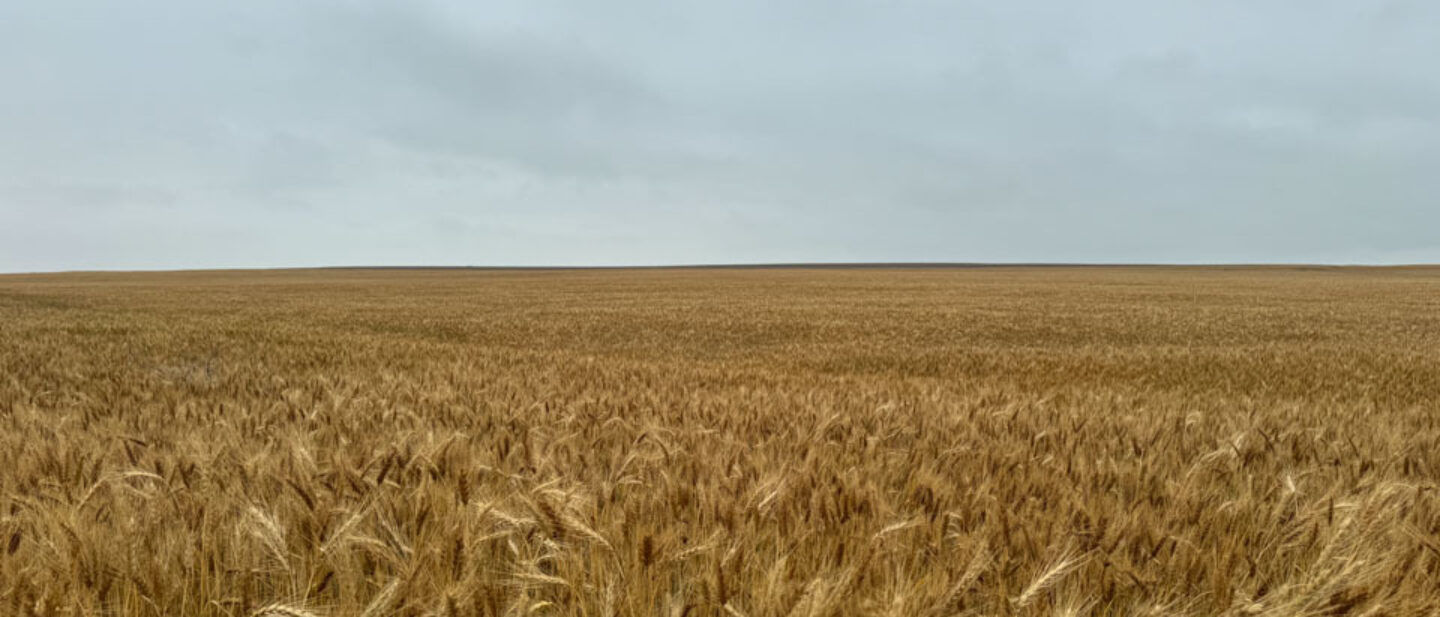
(161, 133)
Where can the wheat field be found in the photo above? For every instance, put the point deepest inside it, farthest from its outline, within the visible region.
(738, 442)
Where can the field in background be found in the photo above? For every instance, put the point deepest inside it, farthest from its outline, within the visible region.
(999, 441)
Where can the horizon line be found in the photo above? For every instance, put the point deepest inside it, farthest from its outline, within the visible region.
(817, 265)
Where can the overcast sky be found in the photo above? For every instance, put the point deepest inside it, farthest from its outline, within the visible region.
(183, 134)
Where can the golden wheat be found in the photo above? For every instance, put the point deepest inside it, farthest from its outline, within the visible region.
(1000, 441)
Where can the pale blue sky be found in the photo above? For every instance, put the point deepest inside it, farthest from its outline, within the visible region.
(179, 134)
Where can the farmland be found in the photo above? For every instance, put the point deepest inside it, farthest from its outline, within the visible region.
(743, 442)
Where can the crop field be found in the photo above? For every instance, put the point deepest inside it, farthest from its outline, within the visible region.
(737, 442)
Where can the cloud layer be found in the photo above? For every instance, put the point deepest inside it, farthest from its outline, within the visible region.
(169, 134)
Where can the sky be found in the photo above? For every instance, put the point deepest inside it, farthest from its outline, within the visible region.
(171, 134)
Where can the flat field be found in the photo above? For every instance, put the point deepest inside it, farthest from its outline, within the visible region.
(741, 442)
